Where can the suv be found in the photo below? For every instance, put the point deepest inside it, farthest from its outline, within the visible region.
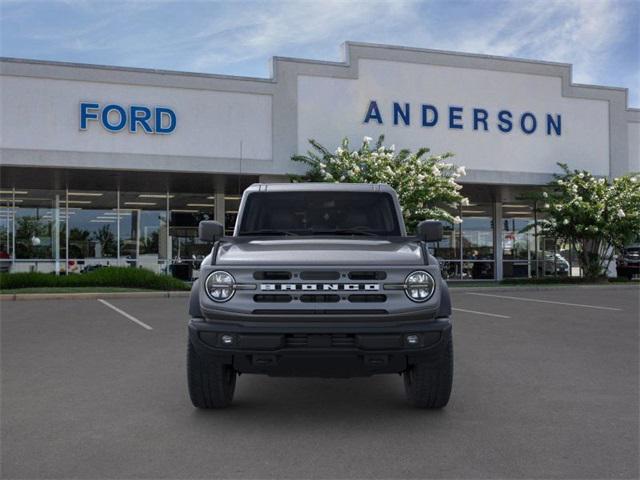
(628, 263)
(320, 280)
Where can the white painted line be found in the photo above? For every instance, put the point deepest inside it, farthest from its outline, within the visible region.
(545, 301)
(480, 313)
(125, 314)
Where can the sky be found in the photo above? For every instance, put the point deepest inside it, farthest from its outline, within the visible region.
(601, 38)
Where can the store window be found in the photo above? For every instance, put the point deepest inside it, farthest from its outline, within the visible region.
(6, 229)
(187, 210)
(39, 226)
(144, 229)
(92, 230)
(477, 242)
(518, 240)
(447, 250)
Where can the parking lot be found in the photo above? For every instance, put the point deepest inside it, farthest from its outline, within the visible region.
(545, 386)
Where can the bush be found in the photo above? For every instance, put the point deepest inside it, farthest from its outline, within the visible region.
(125, 277)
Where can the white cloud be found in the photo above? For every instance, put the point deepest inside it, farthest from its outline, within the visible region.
(240, 37)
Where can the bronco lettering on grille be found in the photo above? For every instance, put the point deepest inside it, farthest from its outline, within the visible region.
(312, 287)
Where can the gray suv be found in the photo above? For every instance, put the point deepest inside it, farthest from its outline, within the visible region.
(320, 280)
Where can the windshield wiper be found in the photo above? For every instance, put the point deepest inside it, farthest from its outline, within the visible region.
(346, 231)
(267, 231)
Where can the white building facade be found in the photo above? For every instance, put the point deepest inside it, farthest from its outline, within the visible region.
(116, 166)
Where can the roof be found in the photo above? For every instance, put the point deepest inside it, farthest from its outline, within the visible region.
(321, 187)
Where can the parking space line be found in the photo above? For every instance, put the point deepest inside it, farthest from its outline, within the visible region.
(545, 301)
(497, 315)
(125, 314)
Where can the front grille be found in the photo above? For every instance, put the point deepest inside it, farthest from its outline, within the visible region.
(367, 275)
(319, 275)
(272, 275)
(320, 291)
(320, 341)
(262, 298)
(318, 311)
(319, 298)
(362, 298)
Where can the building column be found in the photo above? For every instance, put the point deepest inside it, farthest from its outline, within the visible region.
(56, 233)
(498, 240)
(220, 208)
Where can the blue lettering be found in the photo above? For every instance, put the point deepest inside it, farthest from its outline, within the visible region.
(105, 118)
(162, 112)
(504, 117)
(480, 115)
(557, 125)
(523, 123)
(399, 112)
(373, 112)
(425, 116)
(85, 114)
(455, 113)
(139, 115)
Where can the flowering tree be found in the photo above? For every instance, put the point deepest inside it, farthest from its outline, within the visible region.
(422, 182)
(594, 215)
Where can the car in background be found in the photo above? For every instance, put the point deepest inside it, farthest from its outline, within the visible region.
(628, 263)
(5, 262)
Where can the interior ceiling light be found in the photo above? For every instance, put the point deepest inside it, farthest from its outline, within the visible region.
(201, 205)
(154, 195)
(79, 202)
(17, 192)
(140, 203)
(84, 194)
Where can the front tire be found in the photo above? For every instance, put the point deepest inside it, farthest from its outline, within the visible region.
(211, 384)
(428, 384)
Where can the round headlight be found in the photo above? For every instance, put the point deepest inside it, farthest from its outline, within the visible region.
(419, 286)
(220, 286)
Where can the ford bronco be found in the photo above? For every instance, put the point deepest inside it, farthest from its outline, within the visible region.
(320, 280)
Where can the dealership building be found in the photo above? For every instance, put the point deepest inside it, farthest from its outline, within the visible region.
(105, 165)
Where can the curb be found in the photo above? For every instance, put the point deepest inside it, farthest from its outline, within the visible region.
(511, 288)
(90, 295)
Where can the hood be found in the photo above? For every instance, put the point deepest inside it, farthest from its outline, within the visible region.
(319, 251)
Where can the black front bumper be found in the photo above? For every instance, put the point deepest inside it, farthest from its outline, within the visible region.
(326, 350)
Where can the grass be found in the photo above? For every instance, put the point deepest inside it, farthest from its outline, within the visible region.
(101, 280)
(12, 291)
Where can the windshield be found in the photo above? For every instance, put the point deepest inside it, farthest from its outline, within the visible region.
(320, 213)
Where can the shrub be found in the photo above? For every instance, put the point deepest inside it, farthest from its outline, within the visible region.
(125, 277)
(595, 215)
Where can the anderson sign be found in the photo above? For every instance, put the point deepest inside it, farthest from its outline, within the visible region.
(460, 118)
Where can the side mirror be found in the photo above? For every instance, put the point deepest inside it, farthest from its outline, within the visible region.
(210, 230)
(430, 231)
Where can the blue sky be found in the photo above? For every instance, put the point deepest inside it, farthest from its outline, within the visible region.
(601, 38)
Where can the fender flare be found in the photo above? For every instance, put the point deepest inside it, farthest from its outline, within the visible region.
(445, 301)
(194, 300)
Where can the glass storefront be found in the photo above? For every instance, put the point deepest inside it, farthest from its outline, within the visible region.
(73, 231)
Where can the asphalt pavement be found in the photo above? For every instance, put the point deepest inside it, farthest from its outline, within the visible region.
(545, 386)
